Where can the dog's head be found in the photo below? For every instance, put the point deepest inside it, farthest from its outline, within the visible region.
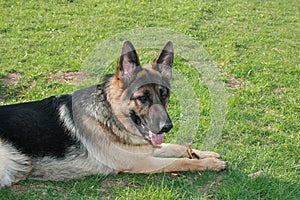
(139, 95)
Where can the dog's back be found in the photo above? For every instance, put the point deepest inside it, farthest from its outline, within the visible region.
(34, 128)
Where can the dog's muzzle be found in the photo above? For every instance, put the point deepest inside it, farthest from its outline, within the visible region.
(155, 136)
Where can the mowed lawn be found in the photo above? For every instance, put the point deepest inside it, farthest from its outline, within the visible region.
(254, 46)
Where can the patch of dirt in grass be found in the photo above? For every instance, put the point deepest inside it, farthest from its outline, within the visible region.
(255, 174)
(10, 79)
(235, 83)
(67, 77)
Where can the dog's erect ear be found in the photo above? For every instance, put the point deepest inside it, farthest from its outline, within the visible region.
(128, 64)
(164, 61)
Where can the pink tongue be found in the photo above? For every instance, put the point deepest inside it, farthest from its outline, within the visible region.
(156, 138)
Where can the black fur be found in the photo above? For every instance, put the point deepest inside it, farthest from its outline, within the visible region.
(34, 127)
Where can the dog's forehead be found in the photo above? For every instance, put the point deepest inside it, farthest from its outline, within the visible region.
(150, 87)
(149, 76)
(146, 78)
(148, 70)
(145, 89)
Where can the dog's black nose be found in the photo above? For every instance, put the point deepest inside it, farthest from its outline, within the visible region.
(167, 127)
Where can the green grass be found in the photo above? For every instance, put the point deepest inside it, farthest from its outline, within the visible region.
(255, 46)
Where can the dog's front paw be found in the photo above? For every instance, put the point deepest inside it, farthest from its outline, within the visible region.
(214, 164)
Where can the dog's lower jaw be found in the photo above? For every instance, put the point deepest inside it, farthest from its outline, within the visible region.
(154, 138)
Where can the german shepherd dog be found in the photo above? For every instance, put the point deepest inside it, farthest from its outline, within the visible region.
(117, 126)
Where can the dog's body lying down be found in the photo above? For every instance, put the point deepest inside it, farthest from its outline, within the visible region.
(117, 126)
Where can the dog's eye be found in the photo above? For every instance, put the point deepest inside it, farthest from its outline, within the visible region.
(164, 93)
(142, 99)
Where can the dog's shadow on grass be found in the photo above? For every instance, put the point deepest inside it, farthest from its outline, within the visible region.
(228, 184)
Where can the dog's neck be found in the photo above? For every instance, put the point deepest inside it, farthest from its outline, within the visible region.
(107, 119)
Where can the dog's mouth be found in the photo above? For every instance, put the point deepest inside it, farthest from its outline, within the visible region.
(154, 138)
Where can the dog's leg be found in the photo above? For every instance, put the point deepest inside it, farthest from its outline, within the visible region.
(14, 166)
(152, 165)
(74, 165)
(179, 151)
